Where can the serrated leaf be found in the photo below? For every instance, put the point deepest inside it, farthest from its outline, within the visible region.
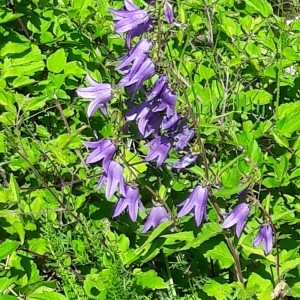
(7, 248)
(149, 279)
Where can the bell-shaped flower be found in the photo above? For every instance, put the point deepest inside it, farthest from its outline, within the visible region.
(131, 19)
(167, 103)
(185, 161)
(168, 11)
(170, 123)
(238, 217)
(264, 236)
(100, 92)
(157, 215)
(182, 138)
(113, 177)
(130, 201)
(158, 88)
(103, 149)
(196, 201)
(159, 149)
(135, 57)
(134, 79)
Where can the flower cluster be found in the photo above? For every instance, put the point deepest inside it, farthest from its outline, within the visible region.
(157, 122)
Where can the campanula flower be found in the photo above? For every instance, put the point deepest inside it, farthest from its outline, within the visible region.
(157, 215)
(113, 177)
(100, 92)
(103, 149)
(197, 201)
(168, 11)
(158, 88)
(182, 138)
(130, 201)
(237, 217)
(264, 236)
(159, 149)
(167, 103)
(185, 161)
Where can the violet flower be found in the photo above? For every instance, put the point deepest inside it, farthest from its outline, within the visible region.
(100, 92)
(103, 149)
(113, 177)
(168, 101)
(168, 11)
(237, 217)
(157, 215)
(182, 138)
(197, 201)
(158, 88)
(131, 19)
(184, 161)
(159, 149)
(130, 201)
(265, 236)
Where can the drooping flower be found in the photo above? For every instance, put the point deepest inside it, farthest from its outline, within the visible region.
(158, 88)
(131, 19)
(171, 122)
(135, 57)
(130, 201)
(134, 79)
(168, 11)
(238, 217)
(243, 194)
(113, 177)
(197, 201)
(182, 138)
(100, 92)
(184, 161)
(103, 150)
(265, 236)
(167, 103)
(159, 149)
(157, 215)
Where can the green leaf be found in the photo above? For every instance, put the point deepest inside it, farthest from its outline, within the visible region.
(8, 297)
(47, 296)
(258, 97)
(289, 265)
(14, 48)
(217, 290)
(14, 188)
(233, 191)
(6, 282)
(149, 279)
(261, 6)
(222, 254)
(259, 287)
(7, 248)
(56, 62)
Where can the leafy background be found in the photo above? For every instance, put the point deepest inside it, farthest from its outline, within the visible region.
(238, 63)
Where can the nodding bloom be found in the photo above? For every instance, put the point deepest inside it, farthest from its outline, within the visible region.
(197, 201)
(264, 236)
(131, 19)
(157, 215)
(167, 103)
(113, 177)
(168, 11)
(184, 161)
(103, 150)
(130, 201)
(182, 138)
(100, 92)
(159, 149)
(238, 217)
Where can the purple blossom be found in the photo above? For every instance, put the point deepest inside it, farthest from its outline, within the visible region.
(168, 11)
(185, 161)
(182, 138)
(197, 201)
(131, 19)
(136, 77)
(171, 122)
(113, 177)
(159, 149)
(100, 92)
(265, 236)
(237, 217)
(157, 215)
(158, 88)
(103, 149)
(243, 194)
(168, 101)
(130, 201)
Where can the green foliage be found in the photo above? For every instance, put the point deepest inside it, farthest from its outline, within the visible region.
(238, 63)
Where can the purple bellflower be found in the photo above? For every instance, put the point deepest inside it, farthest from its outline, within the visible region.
(130, 201)
(113, 177)
(157, 215)
(182, 138)
(103, 149)
(168, 11)
(197, 201)
(171, 122)
(237, 217)
(265, 236)
(100, 92)
(159, 149)
(185, 161)
(158, 88)
(131, 19)
(168, 101)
